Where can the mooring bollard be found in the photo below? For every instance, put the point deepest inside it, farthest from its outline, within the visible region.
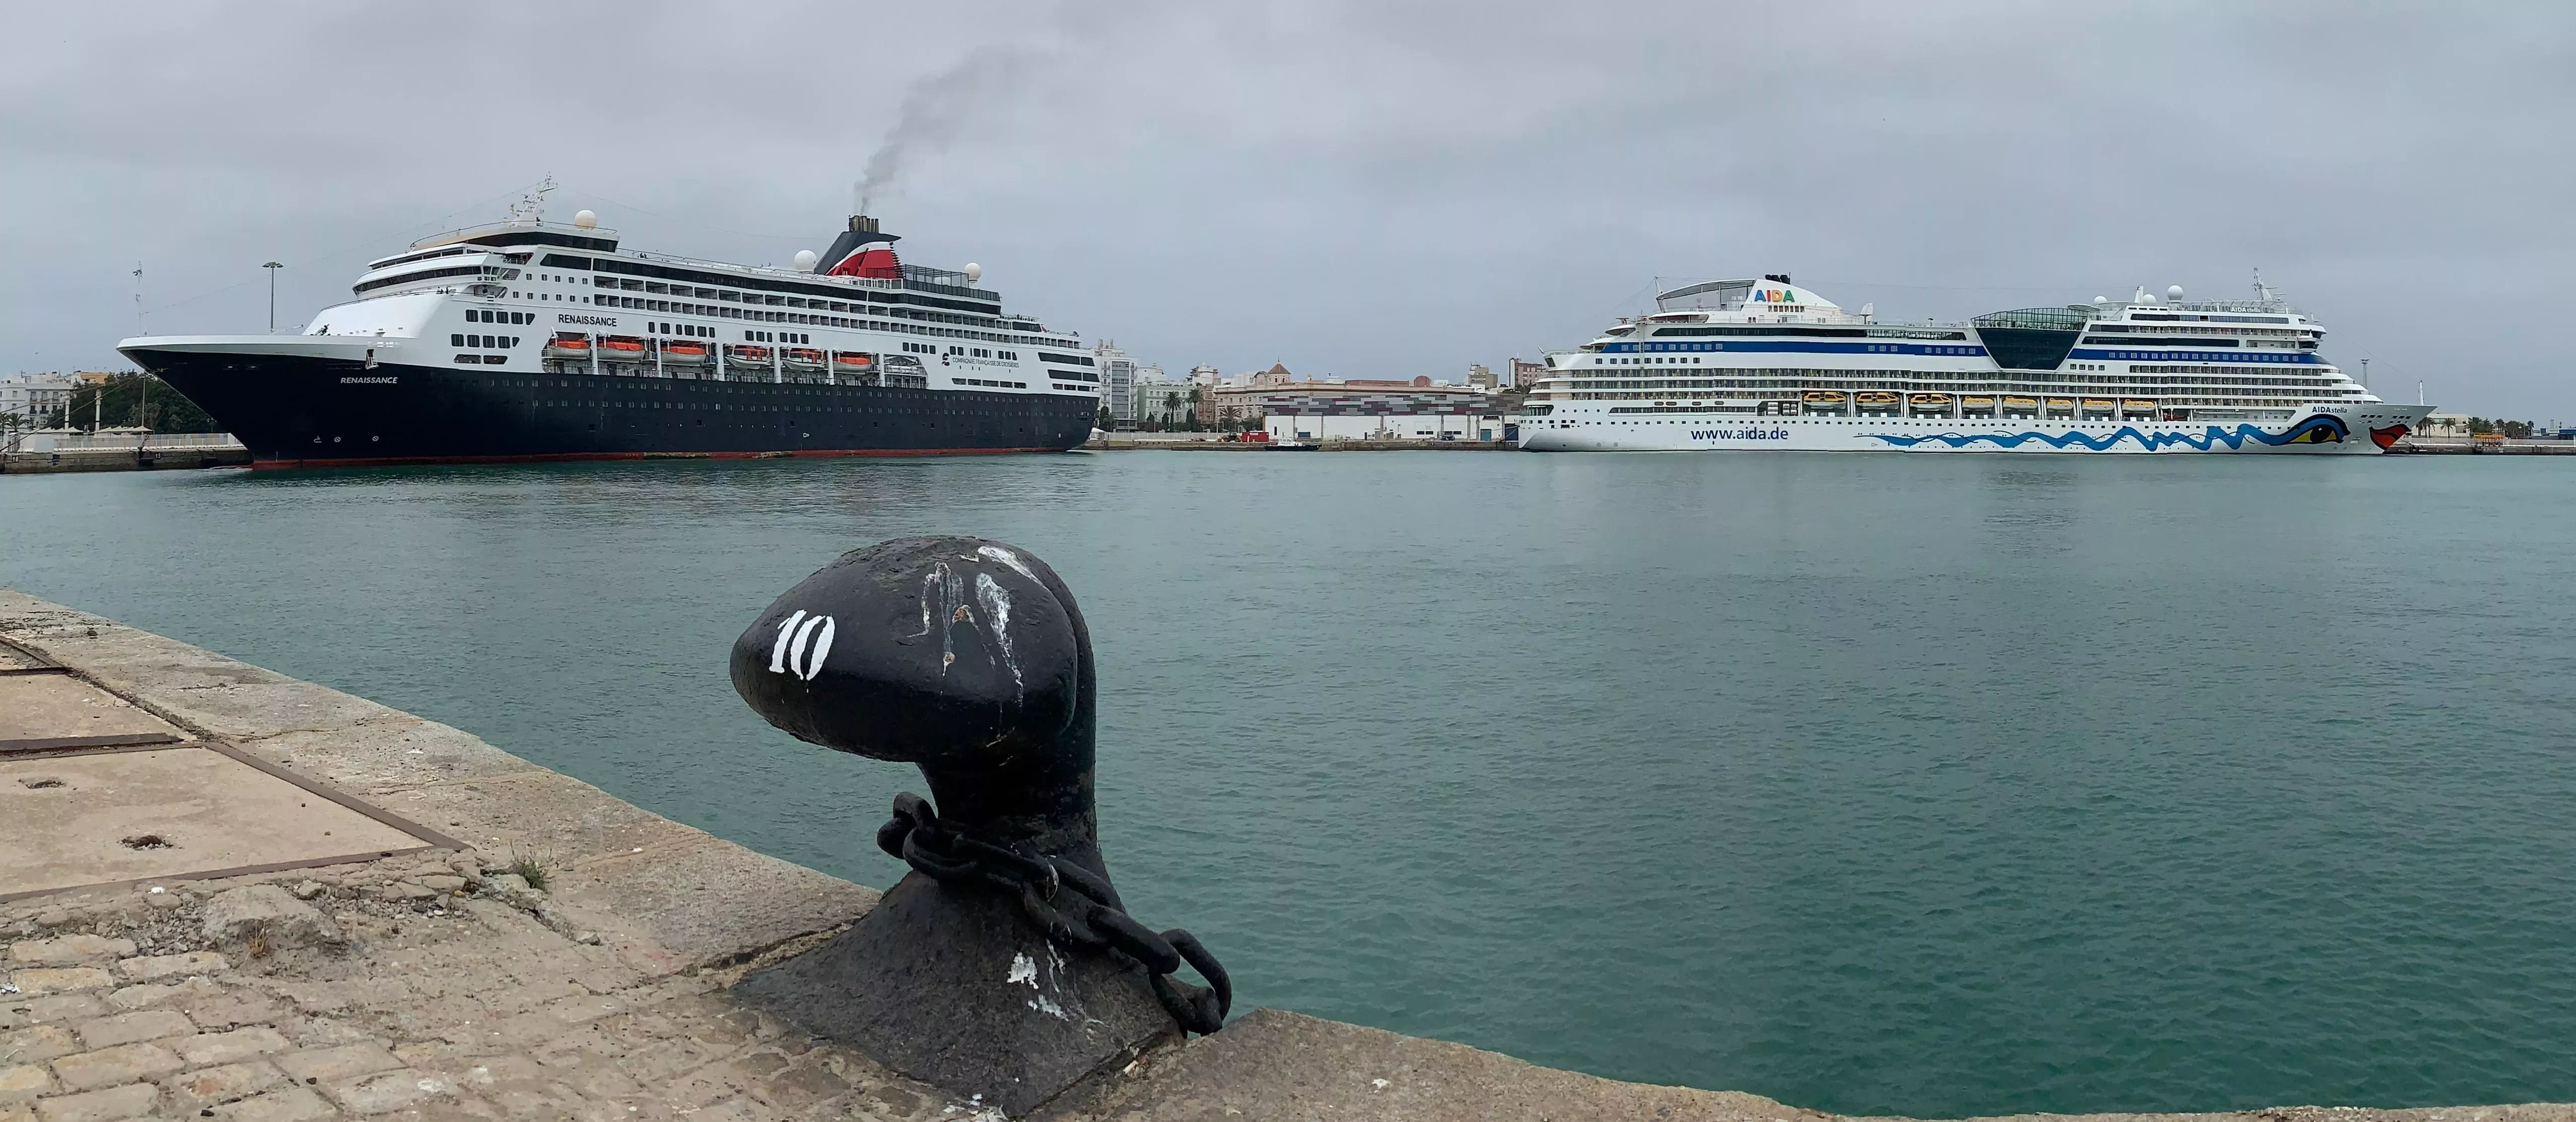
(1003, 966)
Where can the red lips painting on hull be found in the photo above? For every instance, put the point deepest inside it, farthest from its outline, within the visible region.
(2387, 437)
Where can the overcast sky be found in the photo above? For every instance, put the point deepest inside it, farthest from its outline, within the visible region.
(1365, 189)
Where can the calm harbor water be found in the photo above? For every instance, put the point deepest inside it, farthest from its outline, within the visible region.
(1936, 785)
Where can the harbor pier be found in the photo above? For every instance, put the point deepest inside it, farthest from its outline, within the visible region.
(226, 893)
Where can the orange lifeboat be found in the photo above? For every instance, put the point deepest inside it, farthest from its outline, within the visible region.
(677, 352)
(622, 348)
(747, 356)
(569, 346)
(854, 362)
(802, 359)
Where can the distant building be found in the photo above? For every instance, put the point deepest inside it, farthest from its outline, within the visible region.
(29, 400)
(1117, 380)
(1526, 374)
(1205, 375)
(1277, 375)
(1170, 404)
(1477, 375)
(2446, 424)
(1364, 409)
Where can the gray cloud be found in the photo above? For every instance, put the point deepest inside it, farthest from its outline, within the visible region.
(1355, 188)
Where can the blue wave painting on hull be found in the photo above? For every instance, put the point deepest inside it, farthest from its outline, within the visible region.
(2314, 430)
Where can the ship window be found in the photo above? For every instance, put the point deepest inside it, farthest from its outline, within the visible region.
(456, 340)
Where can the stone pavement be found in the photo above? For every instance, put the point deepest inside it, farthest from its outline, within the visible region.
(448, 983)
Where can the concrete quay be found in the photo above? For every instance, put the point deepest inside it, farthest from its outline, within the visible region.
(122, 459)
(1198, 442)
(2465, 446)
(226, 893)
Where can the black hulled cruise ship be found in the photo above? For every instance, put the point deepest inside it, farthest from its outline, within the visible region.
(530, 340)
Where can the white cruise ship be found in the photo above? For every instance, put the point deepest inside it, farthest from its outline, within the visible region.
(1766, 364)
(533, 340)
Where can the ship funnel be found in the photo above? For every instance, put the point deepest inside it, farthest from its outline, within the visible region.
(862, 224)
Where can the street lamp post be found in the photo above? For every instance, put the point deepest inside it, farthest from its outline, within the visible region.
(272, 268)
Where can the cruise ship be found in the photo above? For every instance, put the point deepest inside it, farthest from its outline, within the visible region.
(1766, 364)
(532, 340)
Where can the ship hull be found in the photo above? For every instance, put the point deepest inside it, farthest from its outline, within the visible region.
(301, 410)
(2340, 429)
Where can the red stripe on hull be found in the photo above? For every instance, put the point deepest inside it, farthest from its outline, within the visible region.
(562, 457)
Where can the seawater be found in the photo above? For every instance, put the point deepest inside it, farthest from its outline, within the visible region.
(1938, 785)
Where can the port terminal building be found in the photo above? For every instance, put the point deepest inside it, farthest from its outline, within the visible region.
(1366, 409)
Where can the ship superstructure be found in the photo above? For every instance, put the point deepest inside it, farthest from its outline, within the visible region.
(536, 340)
(1766, 364)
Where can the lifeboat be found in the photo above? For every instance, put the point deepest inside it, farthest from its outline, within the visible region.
(747, 357)
(676, 352)
(1874, 399)
(569, 346)
(2061, 403)
(854, 362)
(1976, 403)
(2138, 405)
(1929, 401)
(622, 348)
(1824, 397)
(2099, 403)
(2022, 404)
(801, 359)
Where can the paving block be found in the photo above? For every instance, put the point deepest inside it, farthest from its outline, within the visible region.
(68, 950)
(127, 1028)
(331, 1065)
(23, 1082)
(43, 980)
(392, 1090)
(230, 1047)
(198, 1090)
(130, 1101)
(36, 1044)
(156, 967)
(111, 1066)
(293, 1104)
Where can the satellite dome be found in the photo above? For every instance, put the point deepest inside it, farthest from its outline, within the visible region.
(586, 220)
(2174, 292)
(2148, 297)
(973, 271)
(805, 260)
(2101, 299)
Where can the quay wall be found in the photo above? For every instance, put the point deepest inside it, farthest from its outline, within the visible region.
(447, 982)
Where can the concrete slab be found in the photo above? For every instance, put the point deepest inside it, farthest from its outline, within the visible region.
(58, 707)
(709, 900)
(386, 755)
(1270, 1065)
(104, 817)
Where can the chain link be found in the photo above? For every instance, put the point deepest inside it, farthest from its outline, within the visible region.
(1072, 905)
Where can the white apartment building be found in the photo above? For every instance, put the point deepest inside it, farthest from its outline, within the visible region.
(1117, 380)
(26, 400)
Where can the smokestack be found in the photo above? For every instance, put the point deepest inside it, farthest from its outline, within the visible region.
(860, 223)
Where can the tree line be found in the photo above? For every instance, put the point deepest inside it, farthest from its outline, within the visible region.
(130, 400)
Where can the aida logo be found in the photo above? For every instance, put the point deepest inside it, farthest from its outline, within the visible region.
(1775, 296)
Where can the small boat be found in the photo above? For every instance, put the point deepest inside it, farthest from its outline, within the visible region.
(1824, 397)
(569, 345)
(2022, 404)
(801, 359)
(744, 357)
(2061, 403)
(2138, 405)
(676, 352)
(2099, 404)
(1976, 403)
(1874, 399)
(1929, 401)
(854, 362)
(622, 348)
